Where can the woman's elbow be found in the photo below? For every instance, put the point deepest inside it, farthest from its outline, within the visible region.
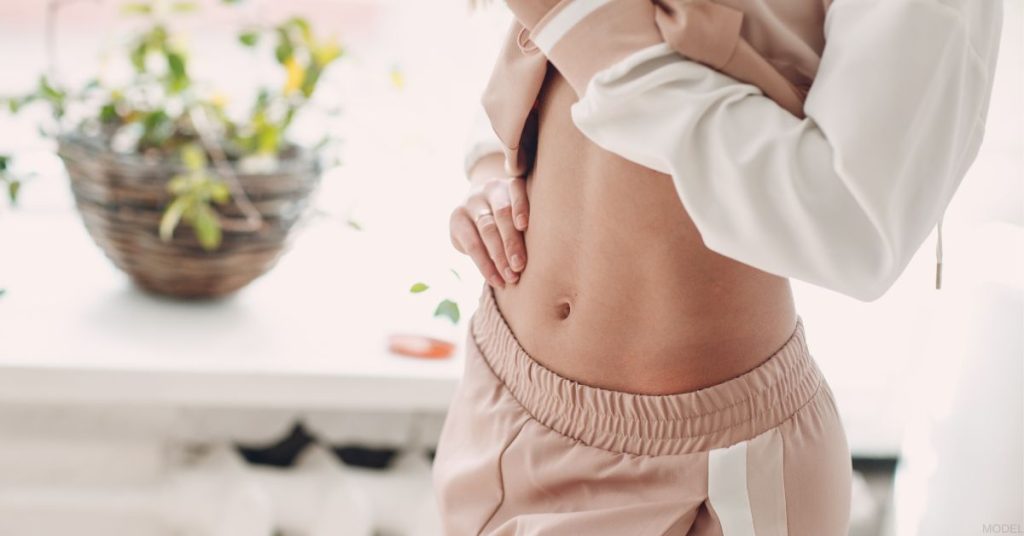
(873, 273)
(869, 289)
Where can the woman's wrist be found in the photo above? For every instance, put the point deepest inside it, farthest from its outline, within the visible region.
(487, 167)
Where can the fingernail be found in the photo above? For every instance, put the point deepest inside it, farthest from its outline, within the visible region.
(521, 221)
(510, 276)
(517, 262)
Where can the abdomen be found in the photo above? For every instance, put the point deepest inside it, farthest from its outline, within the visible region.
(619, 290)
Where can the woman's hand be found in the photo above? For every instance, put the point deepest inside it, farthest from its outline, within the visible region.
(488, 226)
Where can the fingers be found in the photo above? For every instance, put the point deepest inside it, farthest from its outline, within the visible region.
(502, 207)
(489, 228)
(520, 203)
(466, 239)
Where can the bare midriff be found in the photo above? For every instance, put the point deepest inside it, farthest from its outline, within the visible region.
(619, 292)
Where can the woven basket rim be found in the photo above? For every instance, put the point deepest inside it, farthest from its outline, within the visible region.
(302, 162)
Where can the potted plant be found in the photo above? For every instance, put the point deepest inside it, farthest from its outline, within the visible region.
(187, 199)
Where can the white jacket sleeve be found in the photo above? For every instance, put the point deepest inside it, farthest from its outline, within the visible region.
(481, 141)
(845, 197)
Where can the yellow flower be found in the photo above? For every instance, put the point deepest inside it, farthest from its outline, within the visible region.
(219, 99)
(326, 53)
(296, 75)
(397, 78)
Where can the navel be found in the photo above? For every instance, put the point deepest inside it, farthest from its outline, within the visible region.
(563, 309)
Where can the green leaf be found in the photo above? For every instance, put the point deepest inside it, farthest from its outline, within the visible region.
(310, 80)
(179, 185)
(262, 100)
(354, 224)
(289, 115)
(157, 127)
(108, 113)
(249, 38)
(4, 162)
(325, 53)
(138, 56)
(54, 96)
(207, 227)
(13, 187)
(449, 310)
(184, 7)
(284, 48)
(154, 119)
(136, 8)
(267, 140)
(157, 37)
(14, 104)
(47, 91)
(418, 287)
(302, 25)
(93, 84)
(2, 292)
(219, 192)
(172, 216)
(177, 76)
(194, 157)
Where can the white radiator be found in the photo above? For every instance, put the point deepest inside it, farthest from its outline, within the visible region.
(110, 471)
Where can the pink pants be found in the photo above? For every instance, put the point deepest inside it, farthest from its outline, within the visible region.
(527, 452)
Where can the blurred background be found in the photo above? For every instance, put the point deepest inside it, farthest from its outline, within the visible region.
(289, 406)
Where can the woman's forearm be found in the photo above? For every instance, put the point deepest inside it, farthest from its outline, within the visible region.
(487, 167)
(481, 143)
(844, 198)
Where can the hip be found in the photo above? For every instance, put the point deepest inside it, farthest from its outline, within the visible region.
(526, 451)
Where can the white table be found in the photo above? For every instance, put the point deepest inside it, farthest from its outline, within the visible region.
(107, 391)
(312, 333)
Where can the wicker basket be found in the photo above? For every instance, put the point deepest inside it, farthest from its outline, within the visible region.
(121, 199)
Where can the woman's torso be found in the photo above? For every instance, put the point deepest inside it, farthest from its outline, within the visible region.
(619, 291)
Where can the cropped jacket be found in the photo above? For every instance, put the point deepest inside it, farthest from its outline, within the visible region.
(820, 140)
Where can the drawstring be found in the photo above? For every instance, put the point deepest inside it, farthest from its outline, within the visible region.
(938, 254)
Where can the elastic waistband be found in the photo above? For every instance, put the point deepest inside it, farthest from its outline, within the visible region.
(714, 417)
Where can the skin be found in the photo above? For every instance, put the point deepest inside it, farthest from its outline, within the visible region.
(618, 290)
